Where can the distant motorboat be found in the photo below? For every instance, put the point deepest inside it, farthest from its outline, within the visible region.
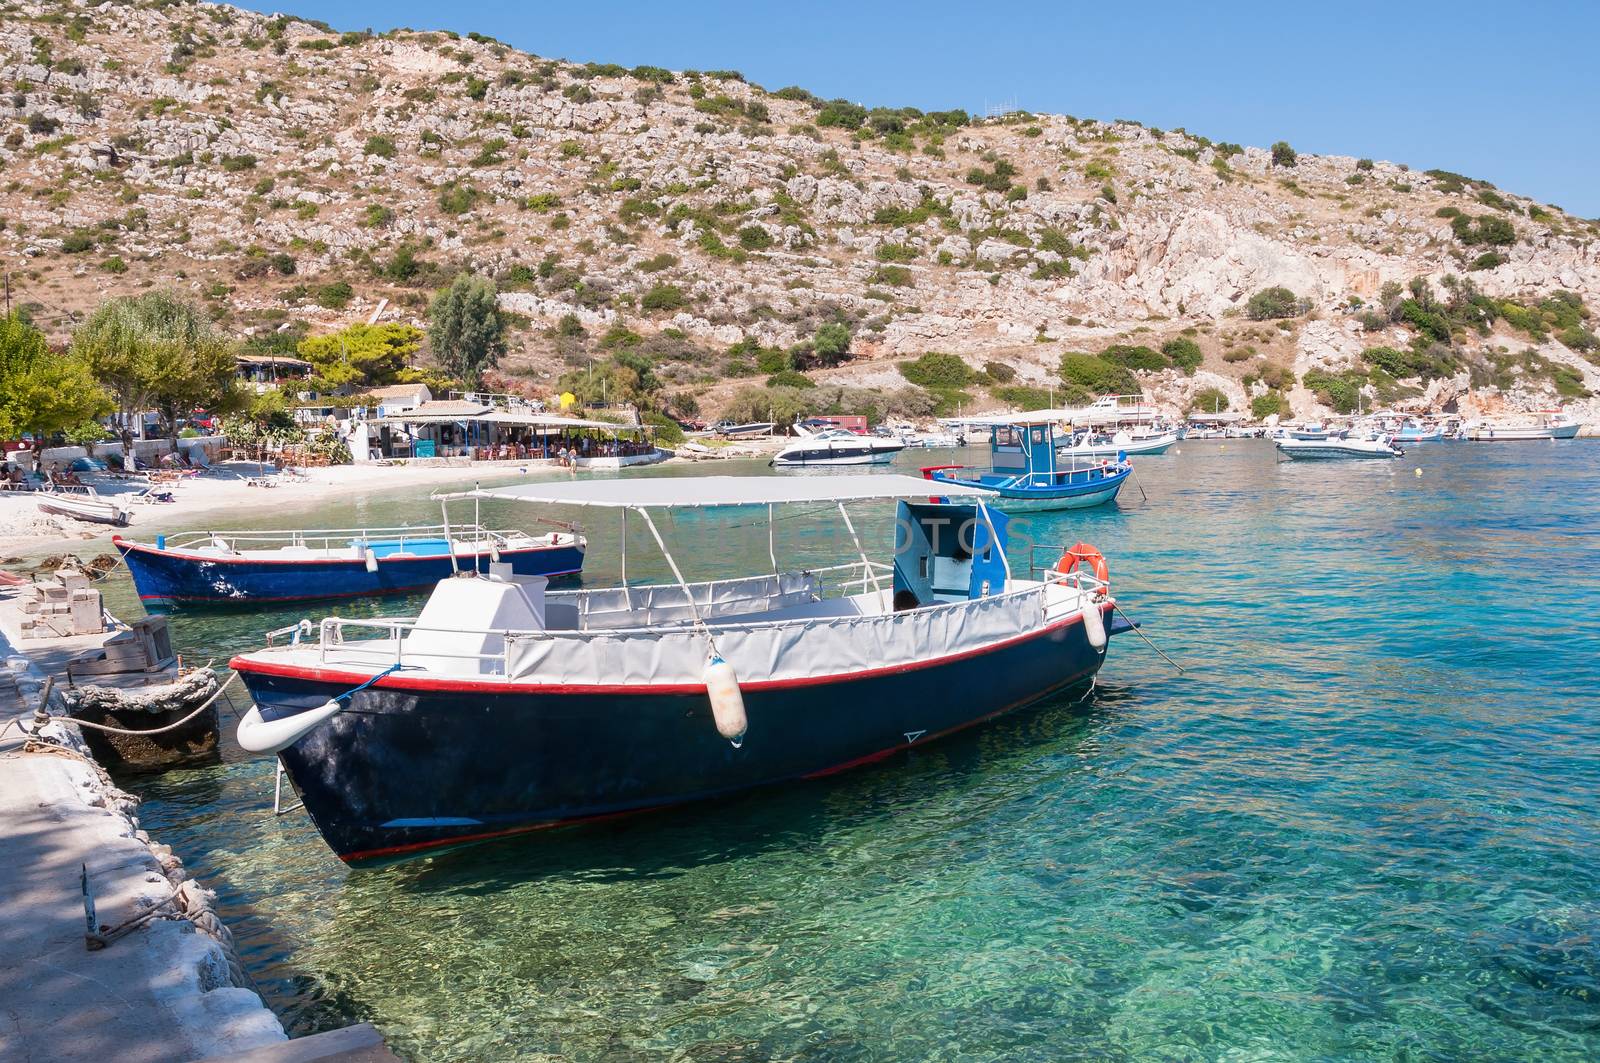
(1548, 426)
(835, 446)
(1118, 444)
(1309, 432)
(1348, 447)
(85, 506)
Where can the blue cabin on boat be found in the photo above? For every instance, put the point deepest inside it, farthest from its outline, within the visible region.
(1027, 473)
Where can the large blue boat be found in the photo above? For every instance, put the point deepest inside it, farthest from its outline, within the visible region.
(505, 707)
(1029, 471)
(242, 567)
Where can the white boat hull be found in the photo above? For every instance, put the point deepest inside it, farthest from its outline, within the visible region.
(82, 507)
(1334, 449)
(879, 458)
(1516, 435)
(1157, 445)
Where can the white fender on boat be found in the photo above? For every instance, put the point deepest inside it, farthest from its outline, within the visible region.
(727, 701)
(372, 559)
(1094, 624)
(260, 736)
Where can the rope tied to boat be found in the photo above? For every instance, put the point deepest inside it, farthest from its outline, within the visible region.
(356, 690)
(42, 715)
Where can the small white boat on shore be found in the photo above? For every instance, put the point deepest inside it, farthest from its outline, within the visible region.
(1551, 425)
(1335, 447)
(85, 506)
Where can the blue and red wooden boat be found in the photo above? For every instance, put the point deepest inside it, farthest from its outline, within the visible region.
(1030, 471)
(243, 567)
(505, 708)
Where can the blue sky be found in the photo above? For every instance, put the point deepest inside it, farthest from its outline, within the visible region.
(1507, 93)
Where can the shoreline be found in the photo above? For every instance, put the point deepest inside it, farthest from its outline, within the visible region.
(171, 989)
(28, 534)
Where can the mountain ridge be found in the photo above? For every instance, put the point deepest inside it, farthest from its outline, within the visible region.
(698, 231)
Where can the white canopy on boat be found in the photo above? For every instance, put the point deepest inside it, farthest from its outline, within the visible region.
(680, 492)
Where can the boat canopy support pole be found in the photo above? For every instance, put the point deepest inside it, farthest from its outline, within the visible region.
(672, 563)
(772, 549)
(866, 563)
(449, 543)
(994, 539)
(627, 594)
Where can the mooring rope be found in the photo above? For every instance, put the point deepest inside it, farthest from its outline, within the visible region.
(215, 694)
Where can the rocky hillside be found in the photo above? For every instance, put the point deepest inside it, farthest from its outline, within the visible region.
(702, 230)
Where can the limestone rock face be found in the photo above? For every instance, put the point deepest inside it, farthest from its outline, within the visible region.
(170, 146)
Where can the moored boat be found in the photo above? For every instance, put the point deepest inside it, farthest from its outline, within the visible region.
(835, 446)
(1335, 447)
(239, 567)
(1119, 444)
(505, 708)
(1028, 474)
(1548, 425)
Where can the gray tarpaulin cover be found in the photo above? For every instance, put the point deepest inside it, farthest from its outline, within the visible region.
(785, 649)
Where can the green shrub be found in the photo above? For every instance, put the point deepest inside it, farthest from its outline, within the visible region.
(457, 199)
(1022, 396)
(1489, 229)
(1428, 322)
(1342, 391)
(754, 238)
(1283, 154)
(888, 252)
(664, 297)
(335, 296)
(999, 372)
(1096, 375)
(1579, 339)
(1183, 353)
(1428, 362)
(1272, 303)
(1138, 358)
(1363, 164)
(657, 263)
(897, 276)
(831, 343)
(841, 114)
(114, 264)
(238, 163)
(77, 242)
(1210, 400)
(1264, 406)
(542, 202)
(571, 149)
(1488, 260)
(790, 378)
(938, 370)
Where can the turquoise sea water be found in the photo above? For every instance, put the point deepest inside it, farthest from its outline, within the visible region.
(1364, 825)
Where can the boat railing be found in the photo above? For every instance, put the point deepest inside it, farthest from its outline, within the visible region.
(386, 637)
(1077, 578)
(234, 540)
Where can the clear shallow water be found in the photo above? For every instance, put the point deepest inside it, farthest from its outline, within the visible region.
(1366, 824)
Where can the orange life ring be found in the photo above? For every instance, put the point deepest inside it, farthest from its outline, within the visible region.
(1086, 555)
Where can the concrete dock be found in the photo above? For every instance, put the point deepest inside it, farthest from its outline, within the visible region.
(169, 990)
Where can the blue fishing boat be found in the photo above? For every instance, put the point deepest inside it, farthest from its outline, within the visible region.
(1029, 472)
(240, 567)
(505, 707)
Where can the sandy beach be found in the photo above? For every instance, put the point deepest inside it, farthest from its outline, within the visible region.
(229, 488)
